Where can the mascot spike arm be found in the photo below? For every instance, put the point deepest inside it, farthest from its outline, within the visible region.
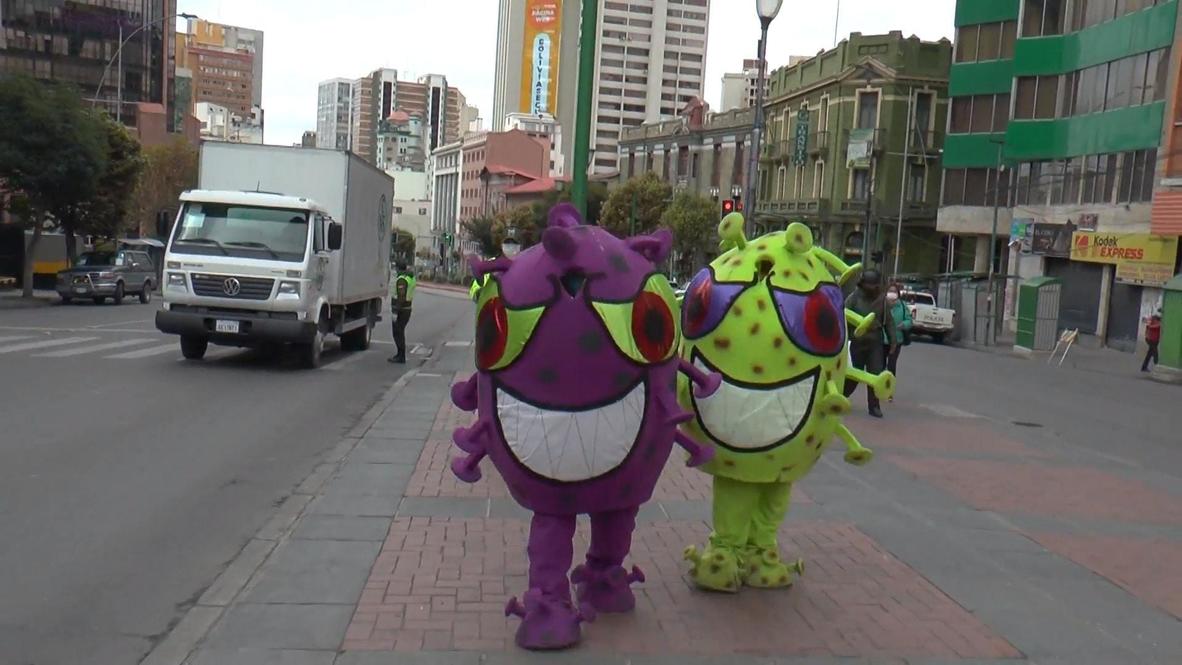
(769, 316)
(576, 401)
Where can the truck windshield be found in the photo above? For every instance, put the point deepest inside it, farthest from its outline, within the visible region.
(243, 231)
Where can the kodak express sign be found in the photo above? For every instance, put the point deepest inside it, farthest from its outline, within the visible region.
(1140, 258)
(543, 42)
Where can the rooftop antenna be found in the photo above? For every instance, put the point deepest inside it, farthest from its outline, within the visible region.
(258, 188)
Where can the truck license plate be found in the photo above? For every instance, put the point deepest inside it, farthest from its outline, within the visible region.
(230, 327)
(79, 289)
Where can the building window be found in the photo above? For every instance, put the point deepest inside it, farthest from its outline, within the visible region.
(860, 184)
(868, 109)
(982, 115)
(953, 187)
(924, 102)
(1037, 96)
(917, 183)
(1136, 176)
(819, 180)
(962, 115)
(1087, 13)
(782, 184)
(716, 167)
(1041, 18)
(799, 184)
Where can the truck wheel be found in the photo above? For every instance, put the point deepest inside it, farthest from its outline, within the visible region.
(310, 353)
(193, 348)
(938, 338)
(66, 300)
(146, 294)
(99, 300)
(118, 297)
(357, 340)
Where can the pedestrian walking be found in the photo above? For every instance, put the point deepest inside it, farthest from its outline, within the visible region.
(869, 351)
(1152, 338)
(400, 306)
(901, 316)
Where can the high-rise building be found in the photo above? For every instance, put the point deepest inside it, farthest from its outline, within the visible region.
(650, 62)
(227, 71)
(77, 42)
(541, 127)
(1060, 125)
(308, 140)
(380, 93)
(739, 88)
(334, 114)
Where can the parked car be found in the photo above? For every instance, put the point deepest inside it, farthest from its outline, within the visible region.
(927, 318)
(114, 275)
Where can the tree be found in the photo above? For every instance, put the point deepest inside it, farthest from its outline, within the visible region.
(51, 151)
(169, 170)
(105, 214)
(484, 232)
(650, 197)
(694, 221)
(404, 245)
(528, 220)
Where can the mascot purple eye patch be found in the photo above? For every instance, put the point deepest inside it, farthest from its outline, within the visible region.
(814, 320)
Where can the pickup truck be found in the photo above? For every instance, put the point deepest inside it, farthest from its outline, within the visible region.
(927, 318)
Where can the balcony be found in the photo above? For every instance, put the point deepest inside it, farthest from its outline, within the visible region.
(926, 143)
(819, 143)
(774, 151)
(793, 207)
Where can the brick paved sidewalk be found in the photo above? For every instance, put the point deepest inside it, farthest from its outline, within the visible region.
(966, 541)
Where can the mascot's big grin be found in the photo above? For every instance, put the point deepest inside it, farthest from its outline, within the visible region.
(571, 446)
(755, 417)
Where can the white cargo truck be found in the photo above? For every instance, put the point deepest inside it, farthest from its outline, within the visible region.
(279, 246)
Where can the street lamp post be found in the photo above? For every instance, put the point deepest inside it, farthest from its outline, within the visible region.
(587, 39)
(990, 305)
(119, 56)
(509, 246)
(766, 10)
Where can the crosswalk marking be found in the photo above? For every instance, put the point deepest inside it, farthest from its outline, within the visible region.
(147, 353)
(45, 344)
(83, 350)
(13, 339)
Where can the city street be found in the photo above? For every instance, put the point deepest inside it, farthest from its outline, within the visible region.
(129, 478)
(1005, 519)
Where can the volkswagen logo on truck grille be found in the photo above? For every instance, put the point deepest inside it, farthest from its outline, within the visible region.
(232, 286)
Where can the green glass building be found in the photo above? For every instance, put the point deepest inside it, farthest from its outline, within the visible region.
(1058, 111)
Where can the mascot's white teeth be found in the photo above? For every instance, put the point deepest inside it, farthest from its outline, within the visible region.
(752, 419)
(572, 446)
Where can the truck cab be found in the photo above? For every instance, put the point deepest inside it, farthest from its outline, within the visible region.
(251, 269)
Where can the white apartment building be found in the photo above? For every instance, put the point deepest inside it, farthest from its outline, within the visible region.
(541, 126)
(652, 62)
(444, 175)
(334, 114)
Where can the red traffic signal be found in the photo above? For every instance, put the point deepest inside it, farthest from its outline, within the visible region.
(739, 205)
(728, 206)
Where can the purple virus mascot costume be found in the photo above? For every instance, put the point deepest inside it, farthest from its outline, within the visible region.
(576, 352)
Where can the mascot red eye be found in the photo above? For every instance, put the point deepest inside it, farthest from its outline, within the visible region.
(822, 324)
(492, 333)
(652, 327)
(697, 306)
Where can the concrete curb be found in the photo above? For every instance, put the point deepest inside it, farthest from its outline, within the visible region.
(180, 643)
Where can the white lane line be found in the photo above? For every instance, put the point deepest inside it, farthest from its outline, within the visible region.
(458, 344)
(45, 344)
(121, 323)
(15, 339)
(147, 353)
(68, 353)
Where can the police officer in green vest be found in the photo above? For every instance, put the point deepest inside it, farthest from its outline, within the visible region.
(400, 303)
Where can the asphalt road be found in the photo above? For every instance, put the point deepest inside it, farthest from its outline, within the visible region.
(129, 478)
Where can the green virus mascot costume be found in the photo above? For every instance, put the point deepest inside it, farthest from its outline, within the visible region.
(769, 316)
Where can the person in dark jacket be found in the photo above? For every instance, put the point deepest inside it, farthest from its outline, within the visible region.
(869, 352)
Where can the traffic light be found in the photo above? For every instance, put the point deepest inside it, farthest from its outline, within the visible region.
(728, 206)
(739, 205)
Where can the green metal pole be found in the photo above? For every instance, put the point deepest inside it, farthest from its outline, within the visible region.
(587, 36)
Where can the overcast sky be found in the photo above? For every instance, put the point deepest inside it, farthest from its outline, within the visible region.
(307, 41)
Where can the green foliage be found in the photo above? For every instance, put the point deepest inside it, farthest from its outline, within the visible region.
(647, 194)
(483, 231)
(694, 221)
(403, 245)
(106, 212)
(52, 149)
(169, 170)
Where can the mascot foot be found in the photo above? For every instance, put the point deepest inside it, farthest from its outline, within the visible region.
(765, 570)
(547, 623)
(606, 589)
(714, 569)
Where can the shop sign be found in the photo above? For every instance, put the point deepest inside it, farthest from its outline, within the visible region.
(1021, 234)
(1089, 222)
(1052, 239)
(1140, 258)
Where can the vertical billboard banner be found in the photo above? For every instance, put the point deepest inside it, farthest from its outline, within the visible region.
(542, 45)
